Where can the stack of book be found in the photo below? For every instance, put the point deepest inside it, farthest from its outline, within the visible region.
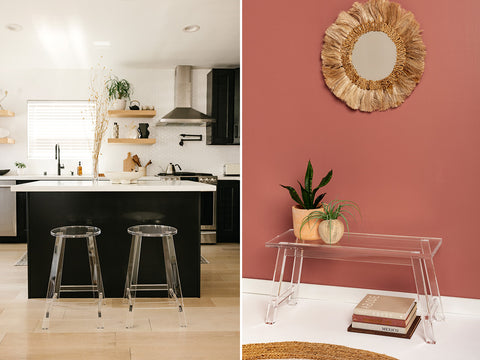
(385, 315)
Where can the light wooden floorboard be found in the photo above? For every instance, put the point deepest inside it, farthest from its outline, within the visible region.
(213, 330)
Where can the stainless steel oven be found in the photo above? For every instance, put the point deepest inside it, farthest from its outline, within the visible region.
(208, 204)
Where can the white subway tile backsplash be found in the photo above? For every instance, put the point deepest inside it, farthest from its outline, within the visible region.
(151, 87)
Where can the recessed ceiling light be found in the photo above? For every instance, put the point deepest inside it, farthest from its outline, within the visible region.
(14, 27)
(191, 28)
(102, 43)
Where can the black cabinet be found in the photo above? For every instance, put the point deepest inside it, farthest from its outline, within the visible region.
(228, 211)
(223, 104)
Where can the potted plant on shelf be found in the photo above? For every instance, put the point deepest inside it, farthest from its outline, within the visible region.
(307, 204)
(118, 91)
(331, 229)
(20, 167)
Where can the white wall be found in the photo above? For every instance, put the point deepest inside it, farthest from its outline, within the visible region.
(151, 87)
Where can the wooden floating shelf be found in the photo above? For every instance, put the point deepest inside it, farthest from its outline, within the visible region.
(132, 113)
(7, 113)
(132, 141)
(7, 141)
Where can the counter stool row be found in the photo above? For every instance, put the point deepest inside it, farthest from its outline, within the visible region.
(90, 233)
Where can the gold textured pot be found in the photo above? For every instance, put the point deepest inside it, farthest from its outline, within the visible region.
(331, 231)
(310, 229)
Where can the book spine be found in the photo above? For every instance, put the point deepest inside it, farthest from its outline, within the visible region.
(379, 320)
(380, 314)
(377, 327)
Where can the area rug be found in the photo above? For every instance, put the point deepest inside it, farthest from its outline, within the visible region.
(307, 351)
(22, 261)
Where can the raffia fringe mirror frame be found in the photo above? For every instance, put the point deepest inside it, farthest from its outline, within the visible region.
(340, 38)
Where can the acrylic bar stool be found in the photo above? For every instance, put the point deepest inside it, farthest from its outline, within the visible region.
(172, 286)
(55, 286)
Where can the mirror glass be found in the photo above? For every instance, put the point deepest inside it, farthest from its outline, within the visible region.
(374, 55)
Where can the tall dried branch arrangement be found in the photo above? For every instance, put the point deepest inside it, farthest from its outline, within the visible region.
(340, 38)
(99, 97)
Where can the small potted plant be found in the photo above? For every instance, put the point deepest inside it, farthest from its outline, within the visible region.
(330, 227)
(20, 167)
(118, 91)
(307, 203)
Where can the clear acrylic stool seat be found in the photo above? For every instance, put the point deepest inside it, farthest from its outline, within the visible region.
(55, 286)
(172, 286)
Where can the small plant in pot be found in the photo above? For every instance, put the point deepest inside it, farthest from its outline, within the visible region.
(118, 91)
(20, 167)
(307, 203)
(330, 227)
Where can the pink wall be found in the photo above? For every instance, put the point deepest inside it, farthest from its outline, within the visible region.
(413, 170)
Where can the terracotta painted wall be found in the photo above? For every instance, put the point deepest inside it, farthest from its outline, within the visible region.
(414, 170)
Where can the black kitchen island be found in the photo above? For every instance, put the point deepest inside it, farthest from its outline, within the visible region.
(113, 208)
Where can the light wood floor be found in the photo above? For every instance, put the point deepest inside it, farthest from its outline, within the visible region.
(213, 330)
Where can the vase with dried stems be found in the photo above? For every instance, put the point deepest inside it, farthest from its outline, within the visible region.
(100, 99)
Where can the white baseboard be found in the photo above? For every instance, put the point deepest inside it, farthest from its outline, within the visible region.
(451, 305)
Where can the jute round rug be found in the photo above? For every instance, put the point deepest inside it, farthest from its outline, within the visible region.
(307, 351)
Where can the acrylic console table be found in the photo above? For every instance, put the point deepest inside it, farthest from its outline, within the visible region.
(416, 252)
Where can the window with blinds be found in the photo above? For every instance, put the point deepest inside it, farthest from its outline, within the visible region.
(67, 123)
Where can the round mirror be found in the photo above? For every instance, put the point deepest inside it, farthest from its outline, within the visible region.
(374, 55)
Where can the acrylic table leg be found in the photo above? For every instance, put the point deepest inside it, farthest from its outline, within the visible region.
(436, 300)
(296, 275)
(271, 315)
(55, 279)
(423, 295)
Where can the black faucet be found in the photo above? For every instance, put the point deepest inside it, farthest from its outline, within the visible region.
(179, 168)
(57, 157)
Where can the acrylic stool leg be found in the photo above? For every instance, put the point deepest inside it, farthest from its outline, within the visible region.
(96, 276)
(128, 278)
(55, 280)
(173, 277)
(132, 279)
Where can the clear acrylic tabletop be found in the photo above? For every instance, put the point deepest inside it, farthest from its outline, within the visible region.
(374, 248)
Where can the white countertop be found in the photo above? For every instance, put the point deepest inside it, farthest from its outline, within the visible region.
(227, 177)
(46, 177)
(106, 186)
(86, 177)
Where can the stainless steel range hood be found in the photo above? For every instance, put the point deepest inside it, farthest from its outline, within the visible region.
(183, 113)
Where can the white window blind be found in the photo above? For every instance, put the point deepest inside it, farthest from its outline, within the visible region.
(67, 123)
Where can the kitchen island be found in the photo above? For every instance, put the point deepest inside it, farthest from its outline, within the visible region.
(113, 208)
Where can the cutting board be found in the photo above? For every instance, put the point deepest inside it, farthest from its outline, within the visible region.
(128, 163)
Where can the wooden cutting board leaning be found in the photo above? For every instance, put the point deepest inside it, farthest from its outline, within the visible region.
(128, 163)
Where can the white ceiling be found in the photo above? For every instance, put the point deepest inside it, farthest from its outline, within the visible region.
(143, 33)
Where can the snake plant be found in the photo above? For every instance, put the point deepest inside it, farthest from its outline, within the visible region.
(308, 199)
